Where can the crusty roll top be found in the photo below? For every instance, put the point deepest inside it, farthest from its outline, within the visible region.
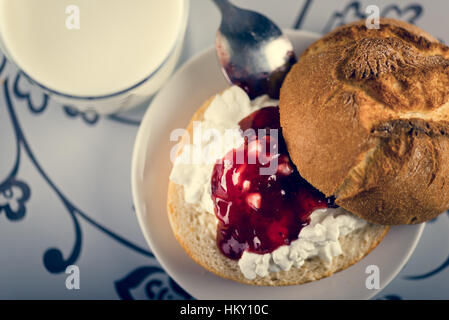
(365, 114)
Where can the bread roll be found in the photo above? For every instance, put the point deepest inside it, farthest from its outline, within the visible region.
(365, 115)
(195, 230)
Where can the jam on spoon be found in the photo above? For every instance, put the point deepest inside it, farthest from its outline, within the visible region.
(259, 212)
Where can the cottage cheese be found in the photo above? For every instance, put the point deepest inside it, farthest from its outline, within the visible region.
(193, 167)
(319, 238)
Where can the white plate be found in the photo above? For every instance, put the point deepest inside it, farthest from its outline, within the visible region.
(172, 108)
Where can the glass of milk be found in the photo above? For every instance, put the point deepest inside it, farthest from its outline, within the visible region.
(102, 55)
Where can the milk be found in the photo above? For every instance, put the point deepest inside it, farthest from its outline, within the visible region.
(91, 48)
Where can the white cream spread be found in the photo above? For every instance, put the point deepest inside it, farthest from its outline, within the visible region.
(223, 115)
(319, 238)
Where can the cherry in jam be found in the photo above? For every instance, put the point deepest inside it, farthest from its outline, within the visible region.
(260, 212)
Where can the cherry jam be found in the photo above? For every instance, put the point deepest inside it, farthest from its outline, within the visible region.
(261, 212)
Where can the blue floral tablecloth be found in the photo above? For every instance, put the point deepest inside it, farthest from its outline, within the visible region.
(65, 196)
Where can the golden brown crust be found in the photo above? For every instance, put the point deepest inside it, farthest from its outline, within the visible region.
(365, 114)
(196, 233)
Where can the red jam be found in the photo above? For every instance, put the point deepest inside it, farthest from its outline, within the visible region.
(261, 212)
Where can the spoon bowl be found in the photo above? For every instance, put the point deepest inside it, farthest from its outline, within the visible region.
(252, 51)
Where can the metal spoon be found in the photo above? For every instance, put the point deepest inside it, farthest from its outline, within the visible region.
(252, 51)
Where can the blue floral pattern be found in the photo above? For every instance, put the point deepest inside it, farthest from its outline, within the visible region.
(15, 193)
(391, 297)
(89, 117)
(354, 11)
(13, 197)
(157, 284)
(22, 90)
